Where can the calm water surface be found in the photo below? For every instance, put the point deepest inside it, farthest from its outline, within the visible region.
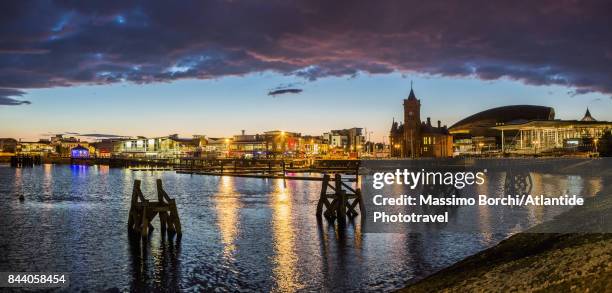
(238, 234)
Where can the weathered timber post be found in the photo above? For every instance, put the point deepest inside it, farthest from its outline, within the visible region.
(344, 200)
(143, 211)
(323, 196)
(163, 216)
(341, 199)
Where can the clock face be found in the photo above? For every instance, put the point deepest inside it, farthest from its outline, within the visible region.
(410, 113)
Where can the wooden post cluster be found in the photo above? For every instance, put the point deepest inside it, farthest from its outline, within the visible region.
(19, 161)
(518, 182)
(341, 203)
(143, 211)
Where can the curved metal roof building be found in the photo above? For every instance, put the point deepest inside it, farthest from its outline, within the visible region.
(503, 115)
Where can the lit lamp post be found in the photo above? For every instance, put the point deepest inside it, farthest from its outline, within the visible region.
(481, 145)
(595, 141)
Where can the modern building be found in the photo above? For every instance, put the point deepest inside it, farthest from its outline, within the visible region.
(157, 147)
(525, 129)
(476, 133)
(343, 141)
(415, 138)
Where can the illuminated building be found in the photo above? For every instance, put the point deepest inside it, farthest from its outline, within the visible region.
(40, 148)
(415, 138)
(526, 129)
(79, 152)
(343, 141)
(158, 147)
(8, 145)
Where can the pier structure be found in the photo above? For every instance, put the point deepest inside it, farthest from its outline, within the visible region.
(343, 201)
(19, 161)
(143, 211)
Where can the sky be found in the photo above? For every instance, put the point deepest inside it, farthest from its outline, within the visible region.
(154, 68)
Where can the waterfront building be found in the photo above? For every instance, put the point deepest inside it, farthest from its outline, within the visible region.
(41, 148)
(64, 145)
(157, 147)
(217, 147)
(8, 145)
(106, 148)
(270, 144)
(282, 144)
(79, 152)
(526, 129)
(345, 141)
(415, 138)
(248, 146)
(313, 146)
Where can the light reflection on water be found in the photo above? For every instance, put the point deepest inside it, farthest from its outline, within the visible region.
(285, 259)
(239, 233)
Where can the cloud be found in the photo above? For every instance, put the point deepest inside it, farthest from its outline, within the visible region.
(86, 135)
(285, 91)
(6, 100)
(64, 43)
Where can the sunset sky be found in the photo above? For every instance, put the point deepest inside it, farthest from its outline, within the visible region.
(154, 68)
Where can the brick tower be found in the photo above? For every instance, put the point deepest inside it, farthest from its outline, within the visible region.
(412, 126)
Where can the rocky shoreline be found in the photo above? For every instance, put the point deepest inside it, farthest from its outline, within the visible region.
(532, 261)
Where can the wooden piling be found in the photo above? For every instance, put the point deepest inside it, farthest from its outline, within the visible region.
(344, 200)
(142, 212)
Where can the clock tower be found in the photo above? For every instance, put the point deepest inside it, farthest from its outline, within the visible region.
(412, 126)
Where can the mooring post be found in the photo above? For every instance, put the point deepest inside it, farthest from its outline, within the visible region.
(132, 214)
(162, 214)
(144, 223)
(323, 196)
(341, 199)
(142, 212)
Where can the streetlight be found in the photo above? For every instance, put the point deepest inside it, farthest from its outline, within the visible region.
(595, 141)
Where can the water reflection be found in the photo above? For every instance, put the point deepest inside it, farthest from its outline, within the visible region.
(227, 206)
(239, 234)
(165, 255)
(285, 258)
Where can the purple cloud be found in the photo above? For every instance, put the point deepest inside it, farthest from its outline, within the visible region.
(6, 100)
(48, 44)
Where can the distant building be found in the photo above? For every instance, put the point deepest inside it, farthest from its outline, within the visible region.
(283, 144)
(587, 116)
(526, 129)
(414, 138)
(38, 148)
(217, 147)
(349, 140)
(8, 145)
(79, 152)
(158, 147)
(106, 148)
(64, 145)
(476, 134)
